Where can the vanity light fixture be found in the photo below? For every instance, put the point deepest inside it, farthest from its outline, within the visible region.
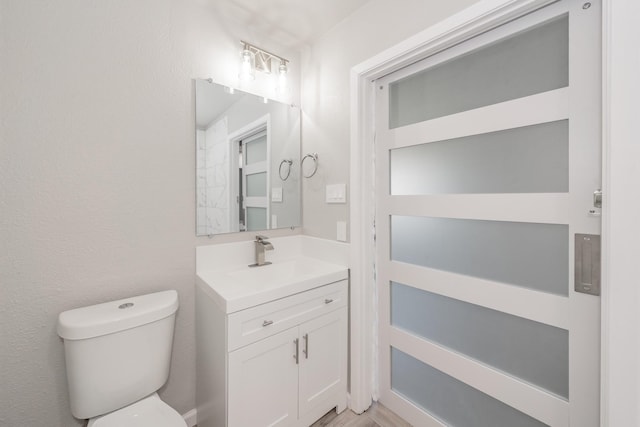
(255, 58)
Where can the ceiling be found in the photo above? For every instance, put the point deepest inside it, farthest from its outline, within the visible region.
(289, 23)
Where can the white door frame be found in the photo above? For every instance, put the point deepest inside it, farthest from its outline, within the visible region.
(474, 20)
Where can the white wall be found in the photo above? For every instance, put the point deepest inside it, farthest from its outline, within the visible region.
(621, 287)
(97, 175)
(376, 26)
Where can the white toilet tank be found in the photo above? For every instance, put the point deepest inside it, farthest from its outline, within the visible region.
(117, 352)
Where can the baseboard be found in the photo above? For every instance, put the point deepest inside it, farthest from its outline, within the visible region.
(191, 417)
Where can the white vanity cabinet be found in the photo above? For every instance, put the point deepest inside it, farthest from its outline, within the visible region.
(280, 363)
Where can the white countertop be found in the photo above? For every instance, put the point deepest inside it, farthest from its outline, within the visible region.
(238, 288)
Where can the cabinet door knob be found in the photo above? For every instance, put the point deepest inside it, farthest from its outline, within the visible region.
(328, 301)
(267, 322)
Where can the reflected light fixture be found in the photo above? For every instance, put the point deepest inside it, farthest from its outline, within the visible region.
(247, 67)
(255, 58)
(282, 76)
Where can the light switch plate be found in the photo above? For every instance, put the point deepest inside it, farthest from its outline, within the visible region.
(336, 193)
(341, 234)
(276, 194)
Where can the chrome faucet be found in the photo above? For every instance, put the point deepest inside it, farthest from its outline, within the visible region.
(261, 244)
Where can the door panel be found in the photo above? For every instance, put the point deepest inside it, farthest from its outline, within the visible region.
(507, 161)
(497, 339)
(529, 62)
(257, 185)
(451, 401)
(256, 181)
(534, 256)
(254, 371)
(322, 368)
(487, 156)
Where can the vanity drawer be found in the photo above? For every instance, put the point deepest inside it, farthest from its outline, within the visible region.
(256, 323)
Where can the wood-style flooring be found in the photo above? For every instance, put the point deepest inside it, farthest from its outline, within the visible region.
(376, 416)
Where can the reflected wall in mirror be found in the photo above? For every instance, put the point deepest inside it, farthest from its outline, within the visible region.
(248, 158)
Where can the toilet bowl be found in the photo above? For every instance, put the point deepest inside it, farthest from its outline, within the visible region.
(117, 357)
(148, 412)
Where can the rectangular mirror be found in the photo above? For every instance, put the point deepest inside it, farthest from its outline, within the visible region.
(248, 161)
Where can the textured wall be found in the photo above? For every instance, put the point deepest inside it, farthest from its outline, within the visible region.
(376, 26)
(621, 289)
(97, 175)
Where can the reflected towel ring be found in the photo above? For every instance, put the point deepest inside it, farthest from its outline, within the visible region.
(313, 157)
(289, 162)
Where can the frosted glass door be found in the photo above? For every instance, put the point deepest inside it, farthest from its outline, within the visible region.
(256, 181)
(487, 157)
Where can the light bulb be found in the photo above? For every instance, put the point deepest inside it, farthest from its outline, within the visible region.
(247, 71)
(282, 76)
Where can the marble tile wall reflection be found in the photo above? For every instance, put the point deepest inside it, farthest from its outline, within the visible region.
(213, 179)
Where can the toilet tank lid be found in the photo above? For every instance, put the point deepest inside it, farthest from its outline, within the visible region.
(115, 316)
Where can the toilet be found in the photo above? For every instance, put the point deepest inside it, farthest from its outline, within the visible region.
(117, 356)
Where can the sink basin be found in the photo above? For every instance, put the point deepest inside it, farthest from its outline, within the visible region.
(244, 287)
(281, 271)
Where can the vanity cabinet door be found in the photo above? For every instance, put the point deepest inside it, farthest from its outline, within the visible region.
(323, 367)
(263, 382)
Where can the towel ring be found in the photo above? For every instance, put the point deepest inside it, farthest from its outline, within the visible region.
(288, 162)
(313, 157)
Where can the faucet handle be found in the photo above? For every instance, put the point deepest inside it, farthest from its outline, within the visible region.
(260, 238)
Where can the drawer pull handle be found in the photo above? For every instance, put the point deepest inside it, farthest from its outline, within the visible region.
(267, 322)
(328, 301)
